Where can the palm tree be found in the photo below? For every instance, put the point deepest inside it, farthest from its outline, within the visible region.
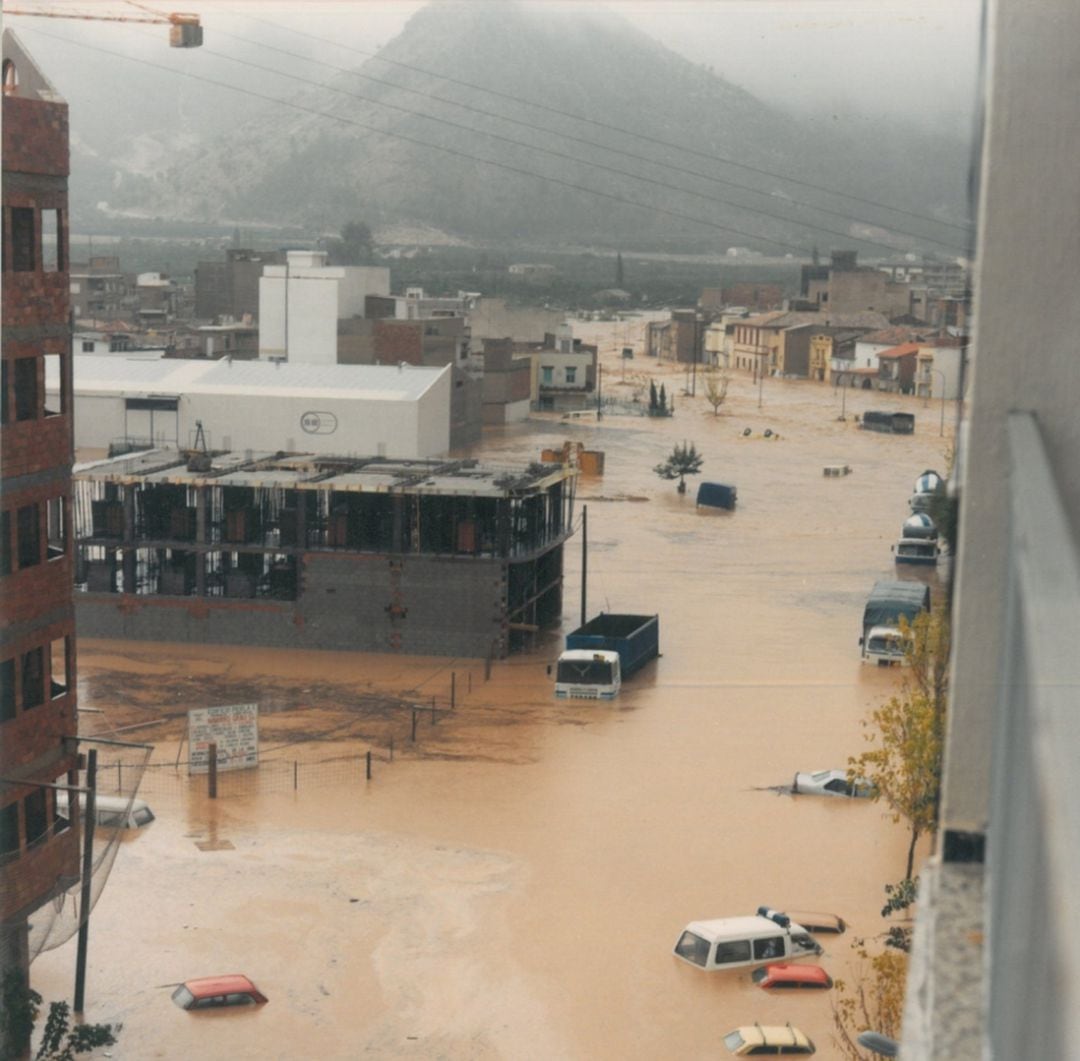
(684, 460)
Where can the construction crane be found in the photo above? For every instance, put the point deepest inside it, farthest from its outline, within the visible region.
(185, 31)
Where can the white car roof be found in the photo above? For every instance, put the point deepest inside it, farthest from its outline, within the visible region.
(588, 654)
(738, 927)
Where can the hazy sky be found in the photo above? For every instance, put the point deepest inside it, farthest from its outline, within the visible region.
(913, 60)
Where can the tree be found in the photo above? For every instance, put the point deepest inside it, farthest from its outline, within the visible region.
(654, 399)
(684, 460)
(900, 897)
(618, 270)
(716, 385)
(356, 245)
(19, 1011)
(872, 1001)
(909, 730)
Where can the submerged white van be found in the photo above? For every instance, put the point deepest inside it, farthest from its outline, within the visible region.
(116, 812)
(734, 942)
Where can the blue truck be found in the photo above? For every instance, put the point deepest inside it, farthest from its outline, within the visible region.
(606, 649)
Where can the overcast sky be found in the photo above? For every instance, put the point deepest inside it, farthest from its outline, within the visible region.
(912, 60)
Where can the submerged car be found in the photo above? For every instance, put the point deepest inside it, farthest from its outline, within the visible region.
(830, 783)
(734, 942)
(816, 922)
(212, 992)
(757, 1039)
(789, 975)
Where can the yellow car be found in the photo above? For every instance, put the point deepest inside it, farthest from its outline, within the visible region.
(769, 1040)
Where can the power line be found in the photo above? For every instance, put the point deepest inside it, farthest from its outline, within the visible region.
(581, 140)
(559, 154)
(965, 227)
(435, 147)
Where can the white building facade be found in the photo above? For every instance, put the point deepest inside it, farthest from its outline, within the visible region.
(364, 410)
(301, 302)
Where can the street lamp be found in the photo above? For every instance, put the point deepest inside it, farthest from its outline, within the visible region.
(938, 372)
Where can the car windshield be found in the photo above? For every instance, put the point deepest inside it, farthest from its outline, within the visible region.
(733, 1040)
(759, 974)
(585, 672)
(693, 948)
(143, 815)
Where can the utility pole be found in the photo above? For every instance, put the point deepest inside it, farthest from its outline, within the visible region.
(584, 558)
(87, 876)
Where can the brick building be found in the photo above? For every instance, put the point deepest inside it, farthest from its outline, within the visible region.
(39, 849)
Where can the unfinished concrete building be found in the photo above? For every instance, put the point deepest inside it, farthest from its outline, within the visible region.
(425, 557)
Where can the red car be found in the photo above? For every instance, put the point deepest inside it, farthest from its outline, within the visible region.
(785, 974)
(210, 992)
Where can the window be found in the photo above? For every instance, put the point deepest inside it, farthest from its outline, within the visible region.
(7, 690)
(9, 829)
(52, 242)
(547, 375)
(88, 346)
(33, 678)
(5, 543)
(37, 823)
(23, 259)
(773, 947)
(28, 535)
(58, 684)
(56, 528)
(693, 948)
(54, 380)
(29, 523)
(61, 821)
(571, 374)
(26, 388)
(736, 951)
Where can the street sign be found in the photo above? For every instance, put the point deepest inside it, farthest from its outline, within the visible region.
(235, 730)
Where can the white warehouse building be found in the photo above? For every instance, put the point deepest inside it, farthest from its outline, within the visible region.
(398, 411)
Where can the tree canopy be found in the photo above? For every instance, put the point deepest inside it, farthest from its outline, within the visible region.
(684, 460)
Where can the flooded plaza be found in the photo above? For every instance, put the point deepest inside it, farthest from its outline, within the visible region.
(511, 883)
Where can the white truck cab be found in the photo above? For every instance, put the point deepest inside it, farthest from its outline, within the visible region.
(589, 674)
(885, 645)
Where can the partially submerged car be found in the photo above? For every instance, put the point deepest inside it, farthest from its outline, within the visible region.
(830, 783)
(113, 812)
(816, 922)
(213, 992)
(757, 1039)
(791, 975)
(734, 942)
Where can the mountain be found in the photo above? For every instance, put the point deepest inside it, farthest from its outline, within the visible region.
(411, 147)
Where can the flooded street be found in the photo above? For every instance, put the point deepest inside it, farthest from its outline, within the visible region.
(510, 885)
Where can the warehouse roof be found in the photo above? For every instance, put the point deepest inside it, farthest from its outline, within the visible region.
(140, 376)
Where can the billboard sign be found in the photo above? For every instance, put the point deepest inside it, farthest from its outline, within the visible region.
(235, 730)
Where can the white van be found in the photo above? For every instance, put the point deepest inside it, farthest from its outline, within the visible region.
(115, 812)
(734, 942)
(588, 674)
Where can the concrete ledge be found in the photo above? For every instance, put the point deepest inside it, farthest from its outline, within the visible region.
(945, 1010)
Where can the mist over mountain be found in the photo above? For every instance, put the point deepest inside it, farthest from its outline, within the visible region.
(401, 152)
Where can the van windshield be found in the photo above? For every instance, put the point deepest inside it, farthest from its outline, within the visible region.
(585, 672)
(693, 948)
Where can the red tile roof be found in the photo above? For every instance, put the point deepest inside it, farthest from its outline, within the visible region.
(904, 350)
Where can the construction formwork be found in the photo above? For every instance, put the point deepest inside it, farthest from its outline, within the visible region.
(425, 557)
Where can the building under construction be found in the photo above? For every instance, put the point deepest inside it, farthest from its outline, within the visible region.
(426, 557)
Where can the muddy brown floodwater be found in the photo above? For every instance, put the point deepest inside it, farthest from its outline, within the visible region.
(511, 885)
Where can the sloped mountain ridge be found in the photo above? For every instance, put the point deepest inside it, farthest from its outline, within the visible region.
(327, 160)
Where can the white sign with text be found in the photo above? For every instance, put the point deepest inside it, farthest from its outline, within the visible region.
(234, 728)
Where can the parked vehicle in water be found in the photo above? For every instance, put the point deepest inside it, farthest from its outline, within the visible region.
(214, 992)
(830, 783)
(717, 495)
(604, 651)
(735, 942)
(882, 641)
(785, 975)
(928, 487)
(759, 1040)
(890, 423)
(116, 812)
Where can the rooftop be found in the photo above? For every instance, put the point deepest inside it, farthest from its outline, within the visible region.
(139, 376)
(308, 471)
